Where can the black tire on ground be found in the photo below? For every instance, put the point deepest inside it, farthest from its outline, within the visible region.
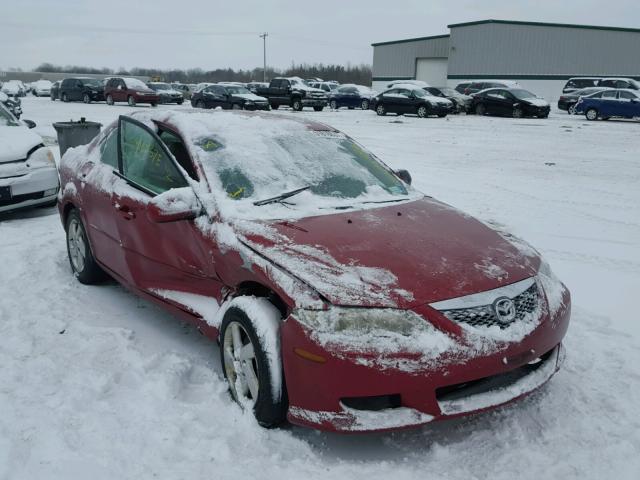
(364, 105)
(518, 113)
(318, 109)
(333, 105)
(131, 101)
(275, 107)
(237, 106)
(296, 104)
(53, 99)
(480, 109)
(110, 100)
(422, 111)
(571, 110)
(86, 98)
(268, 412)
(88, 272)
(154, 104)
(546, 115)
(381, 110)
(351, 108)
(65, 98)
(442, 115)
(180, 102)
(591, 114)
(199, 104)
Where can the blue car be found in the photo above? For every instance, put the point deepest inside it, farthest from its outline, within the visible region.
(351, 96)
(610, 103)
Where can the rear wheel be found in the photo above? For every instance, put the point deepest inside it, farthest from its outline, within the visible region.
(199, 104)
(381, 110)
(275, 107)
(180, 102)
(81, 258)
(297, 105)
(109, 100)
(591, 114)
(245, 363)
(364, 105)
(518, 113)
(333, 104)
(65, 98)
(86, 98)
(318, 109)
(481, 109)
(131, 101)
(236, 106)
(571, 110)
(422, 111)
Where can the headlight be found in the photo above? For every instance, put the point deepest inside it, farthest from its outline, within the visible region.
(42, 157)
(552, 286)
(362, 321)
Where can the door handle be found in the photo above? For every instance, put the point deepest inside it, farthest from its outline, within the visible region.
(125, 211)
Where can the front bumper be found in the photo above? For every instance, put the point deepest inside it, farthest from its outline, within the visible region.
(171, 99)
(151, 98)
(321, 395)
(257, 106)
(314, 102)
(37, 187)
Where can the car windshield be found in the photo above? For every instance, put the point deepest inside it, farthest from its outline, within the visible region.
(135, 83)
(338, 172)
(418, 92)
(450, 91)
(237, 90)
(92, 82)
(7, 119)
(160, 86)
(522, 94)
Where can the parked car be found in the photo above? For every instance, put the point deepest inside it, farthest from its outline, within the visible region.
(461, 102)
(41, 88)
(461, 87)
(253, 86)
(293, 92)
(603, 105)
(381, 335)
(326, 87)
(579, 83)
(166, 92)
(475, 87)
(417, 83)
(55, 91)
(228, 97)
(567, 101)
(511, 102)
(410, 99)
(13, 104)
(130, 90)
(351, 96)
(28, 173)
(182, 88)
(80, 89)
(627, 83)
(12, 88)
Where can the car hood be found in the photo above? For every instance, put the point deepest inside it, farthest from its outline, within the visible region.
(308, 89)
(250, 96)
(16, 142)
(441, 101)
(399, 256)
(537, 102)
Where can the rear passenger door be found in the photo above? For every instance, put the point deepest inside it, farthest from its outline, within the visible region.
(609, 104)
(629, 104)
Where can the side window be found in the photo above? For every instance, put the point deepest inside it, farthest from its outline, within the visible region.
(177, 148)
(109, 149)
(404, 92)
(609, 94)
(144, 161)
(627, 96)
(622, 84)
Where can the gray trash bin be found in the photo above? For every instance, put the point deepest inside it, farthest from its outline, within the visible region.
(73, 134)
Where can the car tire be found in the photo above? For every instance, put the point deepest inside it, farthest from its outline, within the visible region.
(442, 115)
(81, 259)
(297, 105)
(333, 105)
(53, 99)
(318, 109)
(591, 114)
(86, 98)
(268, 412)
(154, 104)
(364, 105)
(65, 98)
(237, 106)
(518, 112)
(422, 111)
(180, 102)
(480, 109)
(131, 101)
(275, 107)
(109, 100)
(381, 110)
(199, 104)
(571, 110)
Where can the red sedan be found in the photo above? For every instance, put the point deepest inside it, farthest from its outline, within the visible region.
(342, 298)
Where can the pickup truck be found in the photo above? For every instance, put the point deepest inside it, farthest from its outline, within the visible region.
(294, 93)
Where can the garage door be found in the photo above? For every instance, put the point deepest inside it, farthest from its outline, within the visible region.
(432, 70)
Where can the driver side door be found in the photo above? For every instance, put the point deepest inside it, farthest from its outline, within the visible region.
(162, 257)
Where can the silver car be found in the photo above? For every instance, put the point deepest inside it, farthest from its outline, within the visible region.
(28, 173)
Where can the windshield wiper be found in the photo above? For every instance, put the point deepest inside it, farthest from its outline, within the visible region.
(281, 197)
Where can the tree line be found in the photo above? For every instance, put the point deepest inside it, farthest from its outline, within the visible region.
(359, 74)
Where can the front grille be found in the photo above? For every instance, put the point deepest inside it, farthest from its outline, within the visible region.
(485, 315)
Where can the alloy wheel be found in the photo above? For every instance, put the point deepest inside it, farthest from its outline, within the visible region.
(422, 111)
(592, 114)
(333, 105)
(517, 113)
(77, 246)
(364, 105)
(240, 364)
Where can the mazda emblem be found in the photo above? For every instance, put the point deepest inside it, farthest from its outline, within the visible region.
(505, 310)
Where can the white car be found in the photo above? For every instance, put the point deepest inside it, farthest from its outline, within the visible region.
(28, 173)
(42, 88)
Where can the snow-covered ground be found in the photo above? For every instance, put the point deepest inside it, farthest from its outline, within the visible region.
(96, 383)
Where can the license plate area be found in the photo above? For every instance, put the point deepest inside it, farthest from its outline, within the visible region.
(5, 193)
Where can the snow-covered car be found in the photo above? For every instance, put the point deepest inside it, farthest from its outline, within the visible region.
(407, 98)
(226, 96)
(13, 104)
(13, 88)
(417, 83)
(166, 92)
(325, 313)
(42, 88)
(28, 173)
(351, 96)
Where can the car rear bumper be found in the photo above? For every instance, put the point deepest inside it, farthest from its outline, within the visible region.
(35, 188)
(347, 392)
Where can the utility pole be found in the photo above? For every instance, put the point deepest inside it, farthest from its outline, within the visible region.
(264, 55)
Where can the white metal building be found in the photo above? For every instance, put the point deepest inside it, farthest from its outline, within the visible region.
(539, 56)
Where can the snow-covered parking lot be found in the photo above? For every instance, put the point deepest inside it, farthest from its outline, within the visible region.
(95, 383)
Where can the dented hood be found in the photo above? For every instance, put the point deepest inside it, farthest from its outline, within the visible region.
(396, 256)
(16, 143)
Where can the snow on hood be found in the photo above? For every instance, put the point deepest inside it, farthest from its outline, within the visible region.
(538, 102)
(250, 96)
(15, 143)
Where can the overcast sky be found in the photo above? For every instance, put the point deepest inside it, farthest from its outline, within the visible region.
(218, 34)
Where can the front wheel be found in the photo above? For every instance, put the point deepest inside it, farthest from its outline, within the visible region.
(180, 102)
(65, 98)
(571, 110)
(296, 105)
(318, 109)
(275, 107)
(199, 104)
(518, 113)
(591, 114)
(333, 104)
(423, 111)
(237, 106)
(481, 109)
(83, 264)
(109, 100)
(364, 105)
(245, 360)
(131, 101)
(380, 110)
(86, 98)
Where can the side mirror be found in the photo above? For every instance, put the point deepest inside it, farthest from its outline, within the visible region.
(174, 205)
(404, 175)
(29, 123)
